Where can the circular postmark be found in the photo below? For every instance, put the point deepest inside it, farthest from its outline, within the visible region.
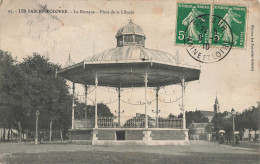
(209, 38)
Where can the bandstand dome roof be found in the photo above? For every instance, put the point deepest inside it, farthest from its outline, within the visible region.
(132, 53)
(130, 28)
(128, 63)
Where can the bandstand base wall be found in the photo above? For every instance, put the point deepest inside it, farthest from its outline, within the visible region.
(129, 136)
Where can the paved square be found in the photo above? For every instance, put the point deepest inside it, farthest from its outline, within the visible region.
(196, 152)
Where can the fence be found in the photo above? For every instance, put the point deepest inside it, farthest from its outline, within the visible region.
(170, 123)
(128, 122)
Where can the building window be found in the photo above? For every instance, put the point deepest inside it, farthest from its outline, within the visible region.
(120, 41)
(128, 38)
(138, 39)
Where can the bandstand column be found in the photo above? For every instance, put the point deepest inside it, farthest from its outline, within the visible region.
(157, 106)
(183, 105)
(145, 82)
(96, 116)
(73, 105)
(119, 112)
(86, 101)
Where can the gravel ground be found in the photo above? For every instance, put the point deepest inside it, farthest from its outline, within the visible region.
(196, 152)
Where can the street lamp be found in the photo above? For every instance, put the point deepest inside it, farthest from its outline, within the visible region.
(233, 115)
(85, 110)
(119, 112)
(37, 113)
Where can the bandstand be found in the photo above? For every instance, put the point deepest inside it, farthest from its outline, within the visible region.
(128, 65)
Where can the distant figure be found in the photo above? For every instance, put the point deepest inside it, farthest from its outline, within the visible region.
(237, 138)
(221, 138)
(228, 137)
(41, 137)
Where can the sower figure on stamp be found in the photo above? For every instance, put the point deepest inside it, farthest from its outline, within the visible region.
(192, 32)
(230, 17)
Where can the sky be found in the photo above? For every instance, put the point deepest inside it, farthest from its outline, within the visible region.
(82, 35)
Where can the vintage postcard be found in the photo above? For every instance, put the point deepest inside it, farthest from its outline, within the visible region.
(128, 81)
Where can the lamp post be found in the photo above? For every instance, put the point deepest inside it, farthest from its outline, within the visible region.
(86, 101)
(119, 112)
(37, 113)
(233, 115)
(157, 106)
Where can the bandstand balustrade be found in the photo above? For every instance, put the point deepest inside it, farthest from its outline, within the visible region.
(110, 122)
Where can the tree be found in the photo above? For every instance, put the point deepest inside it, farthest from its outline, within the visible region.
(103, 110)
(14, 100)
(171, 116)
(255, 119)
(194, 116)
(251, 121)
(48, 93)
(240, 121)
(6, 78)
(248, 119)
(30, 86)
(222, 121)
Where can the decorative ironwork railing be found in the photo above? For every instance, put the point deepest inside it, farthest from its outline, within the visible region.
(135, 123)
(170, 123)
(139, 122)
(128, 122)
(106, 122)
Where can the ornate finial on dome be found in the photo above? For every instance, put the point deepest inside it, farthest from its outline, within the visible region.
(178, 59)
(69, 62)
(130, 20)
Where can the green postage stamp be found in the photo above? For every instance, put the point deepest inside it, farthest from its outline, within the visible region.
(196, 22)
(235, 17)
(187, 13)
